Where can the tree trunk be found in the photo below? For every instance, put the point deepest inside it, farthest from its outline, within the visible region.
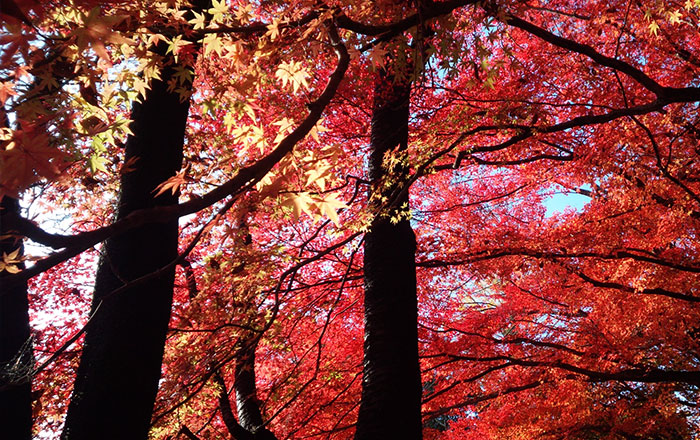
(16, 359)
(249, 415)
(391, 384)
(249, 425)
(119, 370)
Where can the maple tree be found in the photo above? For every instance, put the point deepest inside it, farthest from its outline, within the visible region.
(391, 387)
(121, 357)
(298, 198)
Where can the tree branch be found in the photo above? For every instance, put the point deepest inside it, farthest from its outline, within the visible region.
(650, 375)
(655, 291)
(234, 428)
(474, 399)
(246, 177)
(684, 94)
(615, 255)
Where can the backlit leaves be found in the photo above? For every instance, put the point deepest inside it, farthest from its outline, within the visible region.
(212, 43)
(172, 184)
(504, 274)
(6, 90)
(314, 206)
(97, 31)
(294, 74)
(218, 10)
(10, 261)
(96, 163)
(26, 157)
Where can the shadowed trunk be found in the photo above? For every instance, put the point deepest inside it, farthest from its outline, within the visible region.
(247, 404)
(249, 425)
(119, 370)
(16, 359)
(391, 384)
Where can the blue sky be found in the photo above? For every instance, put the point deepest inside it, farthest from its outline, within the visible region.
(562, 200)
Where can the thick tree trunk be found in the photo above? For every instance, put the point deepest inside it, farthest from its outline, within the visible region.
(16, 359)
(391, 384)
(117, 379)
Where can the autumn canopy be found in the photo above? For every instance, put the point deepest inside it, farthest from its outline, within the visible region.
(345, 219)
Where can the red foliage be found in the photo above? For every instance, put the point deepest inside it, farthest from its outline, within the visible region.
(580, 323)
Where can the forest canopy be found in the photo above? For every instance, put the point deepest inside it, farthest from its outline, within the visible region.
(348, 219)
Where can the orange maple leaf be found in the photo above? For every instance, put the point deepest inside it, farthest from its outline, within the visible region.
(173, 184)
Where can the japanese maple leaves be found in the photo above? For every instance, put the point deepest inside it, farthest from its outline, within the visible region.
(533, 319)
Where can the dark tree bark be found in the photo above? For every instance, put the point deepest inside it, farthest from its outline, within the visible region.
(247, 405)
(16, 358)
(391, 384)
(119, 370)
(249, 425)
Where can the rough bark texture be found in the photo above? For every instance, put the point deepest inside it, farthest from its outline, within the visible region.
(16, 359)
(391, 384)
(117, 379)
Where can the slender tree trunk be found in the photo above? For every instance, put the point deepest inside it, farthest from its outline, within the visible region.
(119, 370)
(391, 384)
(16, 359)
(247, 405)
(249, 425)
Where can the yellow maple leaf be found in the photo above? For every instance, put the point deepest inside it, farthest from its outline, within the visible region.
(674, 17)
(198, 20)
(9, 261)
(141, 86)
(176, 45)
(329, 206)
(318, 128)
(286, 126)
(654, 28)
(293, 73)
(273, 30)
(317, 175)
(219, 9)
(212, 43)
(97, 163)
(299, 202)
